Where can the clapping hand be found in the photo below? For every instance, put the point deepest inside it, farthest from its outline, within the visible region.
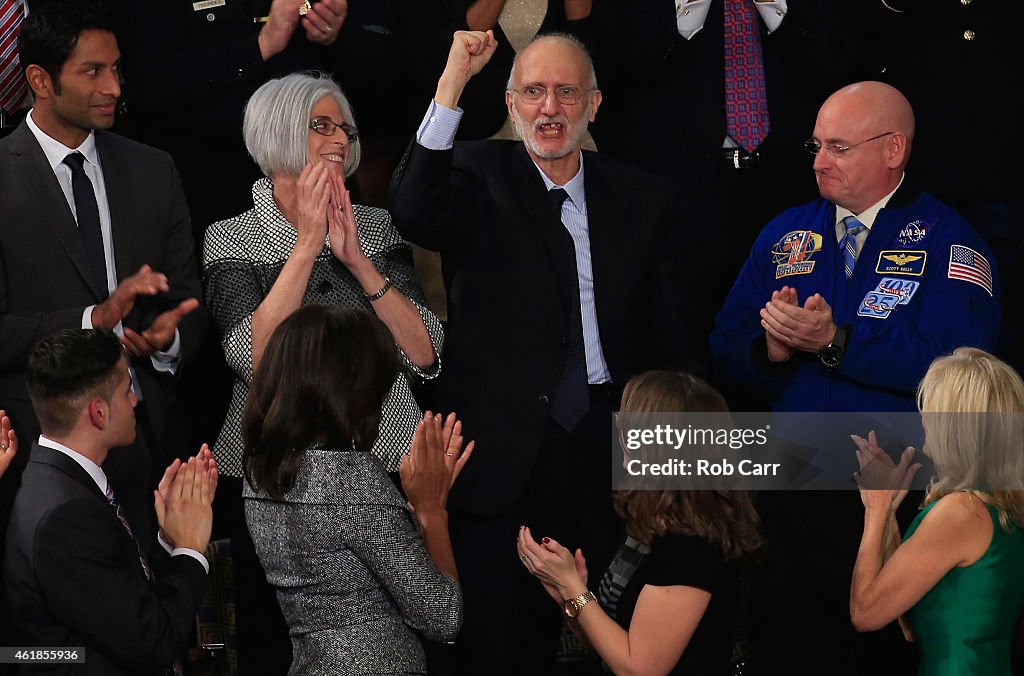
(563, 574)
(883, 484)
(207, 464)
(341, 225)
(808, 328)
(8, 442)
(434, 463)
(778, 350)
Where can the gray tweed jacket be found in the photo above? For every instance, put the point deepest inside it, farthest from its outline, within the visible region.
(352, 575)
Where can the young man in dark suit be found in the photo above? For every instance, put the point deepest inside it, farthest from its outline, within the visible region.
(561, 284)
(94, 232)
(77, 576)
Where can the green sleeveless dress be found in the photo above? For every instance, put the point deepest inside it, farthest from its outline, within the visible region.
(964, 625)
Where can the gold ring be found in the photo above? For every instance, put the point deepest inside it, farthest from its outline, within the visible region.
(523, 558)
(305, 8)
(448, 453)
(327, 29)
(3, 447)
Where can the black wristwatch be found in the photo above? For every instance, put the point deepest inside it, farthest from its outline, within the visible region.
(832, 354)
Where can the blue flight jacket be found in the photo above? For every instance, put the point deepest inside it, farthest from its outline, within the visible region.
(923, 285)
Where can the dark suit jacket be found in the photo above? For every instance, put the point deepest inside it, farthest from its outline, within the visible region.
(44, 285)
(484, 207)
(957, 87)
(73, 577)
(652, 75)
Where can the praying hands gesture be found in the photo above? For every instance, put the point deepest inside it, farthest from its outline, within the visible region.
(341, 227)
(183, 497)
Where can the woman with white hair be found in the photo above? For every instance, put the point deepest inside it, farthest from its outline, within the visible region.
(955, 581)
(305, 242)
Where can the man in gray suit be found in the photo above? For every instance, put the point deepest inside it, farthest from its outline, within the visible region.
(94, 233)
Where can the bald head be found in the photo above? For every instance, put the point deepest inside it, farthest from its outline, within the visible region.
(878, 106)
(560, 46)
(871, 124)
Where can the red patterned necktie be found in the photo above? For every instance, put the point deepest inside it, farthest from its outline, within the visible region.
(13, 86)
(746, 102)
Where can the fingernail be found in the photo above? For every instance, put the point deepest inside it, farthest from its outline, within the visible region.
(545, 540)
(521, 527)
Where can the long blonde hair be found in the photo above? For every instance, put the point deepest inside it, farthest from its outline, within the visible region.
(972, 407)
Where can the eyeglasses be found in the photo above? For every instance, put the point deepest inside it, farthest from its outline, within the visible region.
(325, 126)
(566, 95)
(836, 150)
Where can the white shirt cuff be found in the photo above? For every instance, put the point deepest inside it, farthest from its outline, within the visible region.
(437, 131)
(168, 360)
(87, 317)
(179, 551)
(182, 551)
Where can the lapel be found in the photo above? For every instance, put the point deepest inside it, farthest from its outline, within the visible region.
(119, 191)
(32, 171)
(47, 456)
(529, 189)
(602, 219)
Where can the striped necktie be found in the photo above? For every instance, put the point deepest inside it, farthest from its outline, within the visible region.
(112, 499)
(13, 86)
(848, 243)
(176, 668)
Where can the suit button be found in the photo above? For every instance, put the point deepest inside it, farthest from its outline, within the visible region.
(543, 399)
(968, 35)
(211, 17)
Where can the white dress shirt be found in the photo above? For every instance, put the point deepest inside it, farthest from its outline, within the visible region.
(437, 132)
(55, 152)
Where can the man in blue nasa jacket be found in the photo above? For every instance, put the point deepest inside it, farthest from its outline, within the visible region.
(845, 301)
(841, 306)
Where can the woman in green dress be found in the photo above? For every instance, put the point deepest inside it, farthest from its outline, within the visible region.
(956, 581)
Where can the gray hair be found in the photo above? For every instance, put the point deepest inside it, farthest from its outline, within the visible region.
(573, 41)
(276, 124)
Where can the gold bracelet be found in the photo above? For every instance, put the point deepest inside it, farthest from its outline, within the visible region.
(383, 290)
(891, 8)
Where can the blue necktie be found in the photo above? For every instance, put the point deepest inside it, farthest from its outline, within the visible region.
(572, 398)
(848, 244)
(88, 214)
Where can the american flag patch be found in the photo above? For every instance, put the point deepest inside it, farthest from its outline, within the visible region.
(967, 264)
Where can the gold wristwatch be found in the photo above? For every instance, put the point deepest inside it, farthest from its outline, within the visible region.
(575, 605)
